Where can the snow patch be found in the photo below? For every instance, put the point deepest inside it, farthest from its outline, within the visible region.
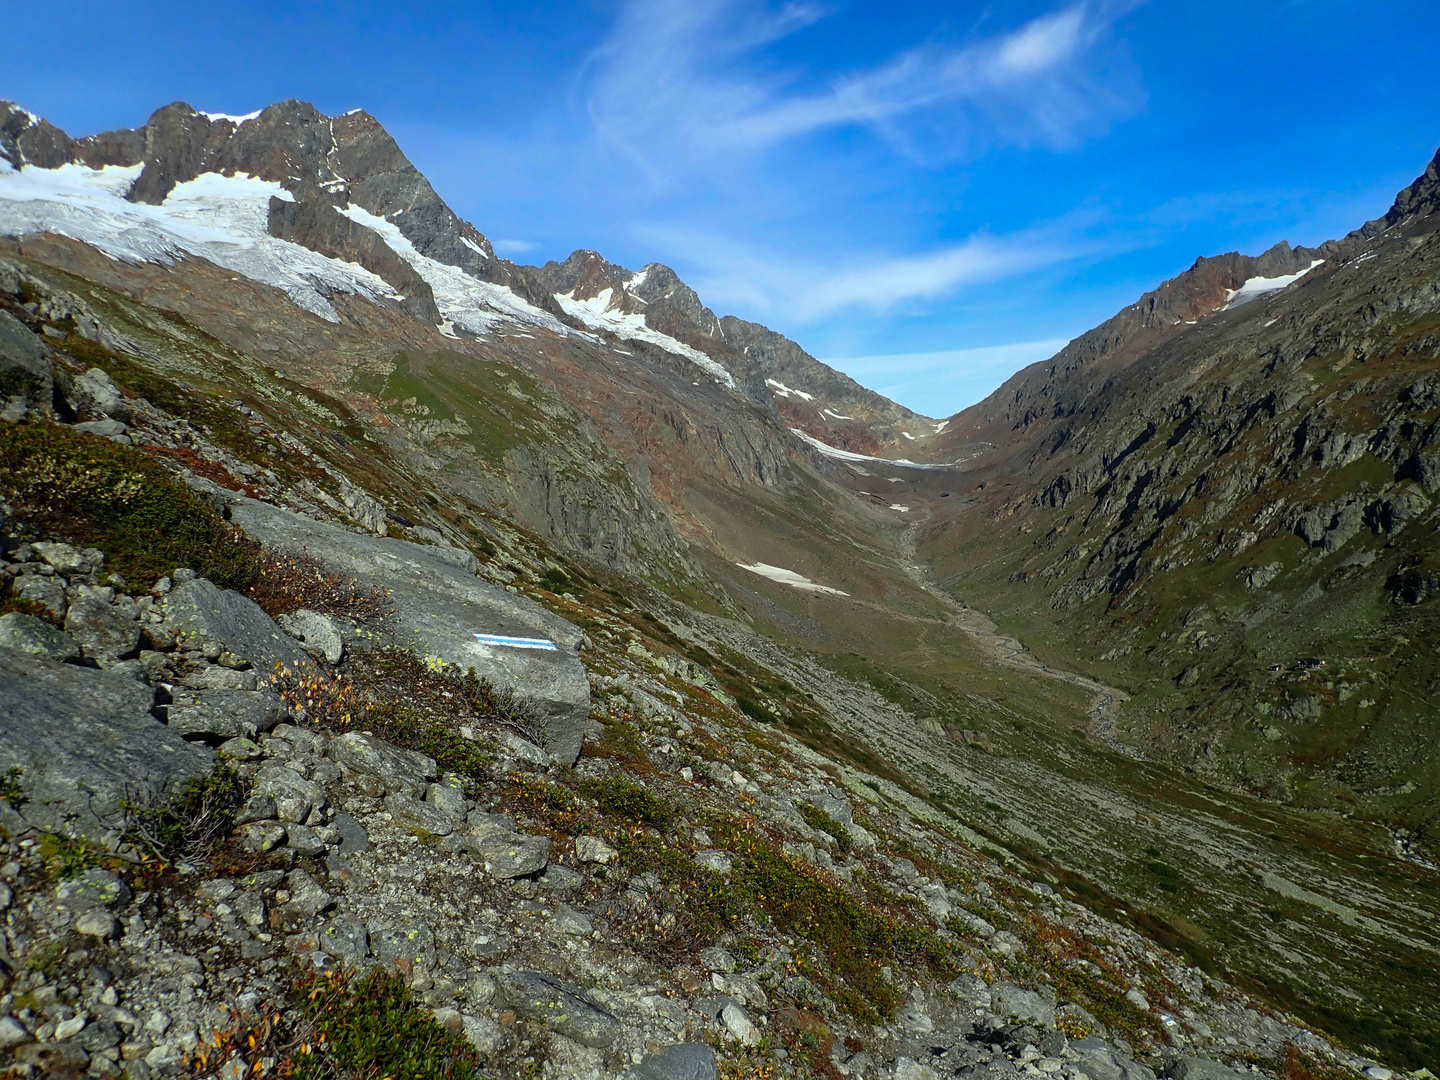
(847, 455)
(835, 415)
(902, 509)
(908, 435)
(597, 313)
(224, 219)
(1256, 287)
(236, 120)
(789, 577)
(474, 247)
(941, 426)
(478, 307)
(785, 391)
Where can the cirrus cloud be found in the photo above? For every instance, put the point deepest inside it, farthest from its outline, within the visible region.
(681, 85)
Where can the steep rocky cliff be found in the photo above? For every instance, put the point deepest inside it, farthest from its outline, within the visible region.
(1231, 516)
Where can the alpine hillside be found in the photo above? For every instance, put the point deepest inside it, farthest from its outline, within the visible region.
(601, 686)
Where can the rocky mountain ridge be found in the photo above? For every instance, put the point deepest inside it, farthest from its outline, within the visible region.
(1231, 499)
(325, 165)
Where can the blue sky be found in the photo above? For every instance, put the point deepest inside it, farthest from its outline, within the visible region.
(929, 195)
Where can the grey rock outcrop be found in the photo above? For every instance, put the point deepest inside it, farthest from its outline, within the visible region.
(438, 608)
(684, 1061)
(25, 371)
(110, 749)
(27, 634)
(203, 610)
(563, 1008)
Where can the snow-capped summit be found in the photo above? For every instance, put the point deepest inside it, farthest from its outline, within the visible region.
(318, 205)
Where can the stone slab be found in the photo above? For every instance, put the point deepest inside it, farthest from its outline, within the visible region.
(86, 740)
(439, 607)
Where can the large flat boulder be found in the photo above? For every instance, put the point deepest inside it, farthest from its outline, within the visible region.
(85, 741)
(439, 607)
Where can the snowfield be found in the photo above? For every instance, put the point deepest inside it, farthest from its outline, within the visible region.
(789, 577)
(848, 455)
(1256, 287)
(785, 391)
(597, 314)
(477, 307)
(224, 219)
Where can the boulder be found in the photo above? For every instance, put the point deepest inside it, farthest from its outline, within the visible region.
(352, 834)
(509, 855)
(739, 1025)
(217, 715)
(1101, 1061)
(319, 632)
(200, 609)
(684, 1061)
(438, 608)
(1012, 1001)
(48, 592)
(293, 795)
(27, 634)
(306, 896)
(25, 371)
(109, 749)
(93, 888)
(96, 392)
(561, 880)
(565, 1009)
(394, 768)
(970, 988)
(409, 812)
(102, 630)
(411, 941)
(1198, 1068)
(66, 558)
(593, 849)
(345, 939)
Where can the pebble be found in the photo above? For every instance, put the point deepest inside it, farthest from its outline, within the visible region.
(11, 1032)
(739, 1025)
(97, 923)
(592, 849)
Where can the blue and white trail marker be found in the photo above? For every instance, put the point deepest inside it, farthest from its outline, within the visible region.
(517, 642)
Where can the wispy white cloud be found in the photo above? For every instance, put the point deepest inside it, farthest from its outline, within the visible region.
(513, 247)
(942, 383)
(681, 84)
(810, 289)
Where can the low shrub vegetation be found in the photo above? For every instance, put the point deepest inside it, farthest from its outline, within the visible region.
(94, 492)
(194, 823)
(338, 1026)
